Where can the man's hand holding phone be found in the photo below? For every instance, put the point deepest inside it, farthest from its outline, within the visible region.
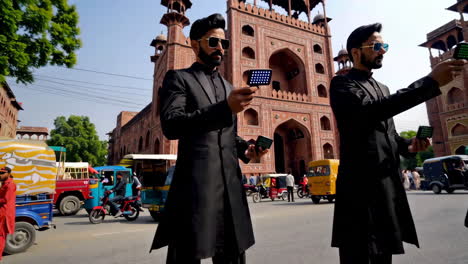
(239, 99)
(421, 141)
(260, 148)
(446, 71)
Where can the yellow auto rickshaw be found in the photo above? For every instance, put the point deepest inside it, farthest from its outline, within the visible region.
(322, 179)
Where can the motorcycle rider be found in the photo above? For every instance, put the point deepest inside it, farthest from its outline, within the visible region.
(119, 190)
(136, 191)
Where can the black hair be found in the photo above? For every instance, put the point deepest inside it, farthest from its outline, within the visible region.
(360, 35)
(203, 25)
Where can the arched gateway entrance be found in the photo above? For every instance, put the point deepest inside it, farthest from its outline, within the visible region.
(292, 148)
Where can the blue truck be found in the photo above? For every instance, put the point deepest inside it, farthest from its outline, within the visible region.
(34, 169)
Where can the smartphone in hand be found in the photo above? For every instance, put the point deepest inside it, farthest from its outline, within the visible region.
(424, 132)
(461, 51)
(263, 142)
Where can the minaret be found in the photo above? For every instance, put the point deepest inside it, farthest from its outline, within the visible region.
(159, 43)
(344, 63)
(175, 20)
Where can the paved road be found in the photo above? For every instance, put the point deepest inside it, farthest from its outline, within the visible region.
(292, 233)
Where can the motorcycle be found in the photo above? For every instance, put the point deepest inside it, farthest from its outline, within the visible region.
(259, 193)
(249, 189)
(128, 206)
(303, 191)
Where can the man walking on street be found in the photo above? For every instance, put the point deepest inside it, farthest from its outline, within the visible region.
(206, 213)
(290, 186)
(372, 217)
(7, 206)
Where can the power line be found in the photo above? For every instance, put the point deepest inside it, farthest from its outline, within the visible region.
(107, 73)
(78, 97)
(92, 88)
(107, 97)
(71, 80)
(87, 95)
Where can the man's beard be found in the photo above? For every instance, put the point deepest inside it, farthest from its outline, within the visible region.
(372, 64)
(208, 59)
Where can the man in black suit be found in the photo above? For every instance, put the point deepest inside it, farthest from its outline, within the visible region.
(206, 213)
(372, 216)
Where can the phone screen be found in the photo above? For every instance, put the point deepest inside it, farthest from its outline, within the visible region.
(461, 51)
(263, 142)
(259, 77)
(424, 132)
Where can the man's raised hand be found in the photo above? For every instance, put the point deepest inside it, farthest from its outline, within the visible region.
(240, 99)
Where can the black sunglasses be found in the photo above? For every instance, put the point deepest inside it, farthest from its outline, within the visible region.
(213, 42)
(2, 172)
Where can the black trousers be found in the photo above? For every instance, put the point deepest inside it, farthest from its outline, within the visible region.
(290, 193)
(361, 255)
(180, 256)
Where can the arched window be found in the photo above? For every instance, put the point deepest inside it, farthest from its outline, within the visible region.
(440, 45)
(459, 130)
(147, 140)
(245, 77)
(248, 30)
(319, 68)
(318, 49)
(461, 150)
(140, 144)
(328, 151)
(251, 117)
(455, 95)
(156, 147)
(325, 123)
(322, 91)
(248, 52)
(451, 42)
(289, 74)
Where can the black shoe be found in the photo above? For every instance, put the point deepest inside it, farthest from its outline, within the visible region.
(119, 213)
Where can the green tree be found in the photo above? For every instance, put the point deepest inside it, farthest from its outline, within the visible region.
(34, 33)
(79, 136)
(416, 161)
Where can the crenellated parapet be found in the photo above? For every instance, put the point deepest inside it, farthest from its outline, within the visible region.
(288, 20)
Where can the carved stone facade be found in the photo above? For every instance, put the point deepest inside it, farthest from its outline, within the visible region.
(294, 110)
(448, 113)
(35, 133)
(9, 108)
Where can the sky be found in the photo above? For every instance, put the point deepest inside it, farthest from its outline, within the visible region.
(116, 36)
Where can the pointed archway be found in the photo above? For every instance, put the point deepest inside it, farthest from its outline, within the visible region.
(462, 150)
(292, 148)
(289, 73)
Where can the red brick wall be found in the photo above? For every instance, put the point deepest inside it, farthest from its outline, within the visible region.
(8, 115)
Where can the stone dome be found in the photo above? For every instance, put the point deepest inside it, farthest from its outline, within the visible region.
(161, 37)
(343, 52)
(317, 18)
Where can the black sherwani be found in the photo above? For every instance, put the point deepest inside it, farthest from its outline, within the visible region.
(206, 187)
(371, 205)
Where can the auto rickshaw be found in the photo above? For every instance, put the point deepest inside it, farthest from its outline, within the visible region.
(107, 178)
(447, 173)
(271, 186)
(155, 172)
(322, 179)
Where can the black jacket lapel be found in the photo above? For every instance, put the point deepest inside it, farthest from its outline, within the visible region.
(227, 87)
(367, 87)
(203, 81)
